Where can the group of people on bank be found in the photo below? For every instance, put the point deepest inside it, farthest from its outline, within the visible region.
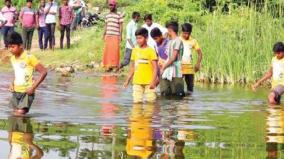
(42, 18)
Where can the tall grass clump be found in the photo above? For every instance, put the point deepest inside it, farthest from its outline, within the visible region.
(237, 44)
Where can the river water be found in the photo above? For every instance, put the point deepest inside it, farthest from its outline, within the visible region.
(91, 116)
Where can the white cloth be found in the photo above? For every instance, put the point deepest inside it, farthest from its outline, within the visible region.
(130, 33)
(168, 73)
(151, 42)
(51, 18)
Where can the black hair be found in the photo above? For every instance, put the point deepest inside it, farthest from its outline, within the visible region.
(142, 32)
(278, 47)
(14, 38)
(8, 1)
(135, 14)
(172, 25)
(186, 27)
(148, 17)
(30, 1)
(156, 32)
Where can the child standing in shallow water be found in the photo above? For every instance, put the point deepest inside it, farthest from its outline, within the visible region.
(276, 71)
(24, 64)
(189, 44)
(143, 69)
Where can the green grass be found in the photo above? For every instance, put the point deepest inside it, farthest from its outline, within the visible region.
(87, 49)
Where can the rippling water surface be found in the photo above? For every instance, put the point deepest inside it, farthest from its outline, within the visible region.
(89, 116)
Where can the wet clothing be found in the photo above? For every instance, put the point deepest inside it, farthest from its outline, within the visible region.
(23, 67)
(143, 57)
(172, 88)
(278, 72)
(189, 45)
(278, 91)
(139, 91)
(21, 101)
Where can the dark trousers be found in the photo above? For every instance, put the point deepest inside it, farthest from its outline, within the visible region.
(63, 29)
(189, 80)
(172, 88)
(6, 30)
(42, 37)
(127, 57)
(51, 32)
(27, 34)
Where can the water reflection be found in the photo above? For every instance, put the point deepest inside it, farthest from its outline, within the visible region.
(140, 141)
(21, 139)
(275, 132)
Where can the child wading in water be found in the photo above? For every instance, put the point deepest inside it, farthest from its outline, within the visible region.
(276, 71)
(24, 64)
(143, 69)
(189, 44)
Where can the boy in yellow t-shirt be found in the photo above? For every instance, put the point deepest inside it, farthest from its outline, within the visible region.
(143, 69)
(189, 45)
(24, 64)
(276, 72)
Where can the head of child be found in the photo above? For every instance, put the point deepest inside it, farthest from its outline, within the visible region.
(112, 6)
(65, 2)
(186, 30)
(136, 16)
(278, 50)
(148, 20)
(15, 43)
(8, 3)
(42, 3)
(157, 35)
(29, 3)
(172, 27)
(141, 37)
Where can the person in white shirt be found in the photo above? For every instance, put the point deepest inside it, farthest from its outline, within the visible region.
(51, 9)
(131, 28)
(150, 25)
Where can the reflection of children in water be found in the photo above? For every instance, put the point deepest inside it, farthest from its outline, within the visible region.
(108, 109)
(275, 131)
(21, 139)
(140, 141)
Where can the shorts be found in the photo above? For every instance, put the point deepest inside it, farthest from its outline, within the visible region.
(21, 101)
(172, 88)
(278, 91)
(139, 91)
